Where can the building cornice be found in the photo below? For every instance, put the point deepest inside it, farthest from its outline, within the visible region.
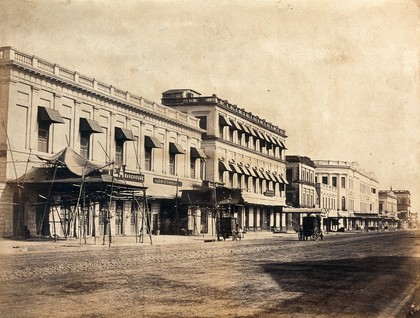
(225, 105)
(57, 73)
(336, 164)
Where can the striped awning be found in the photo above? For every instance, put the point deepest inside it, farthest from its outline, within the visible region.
(245, 129)
(235, 168)
(244, 170)
(236, 125)
(259, 174)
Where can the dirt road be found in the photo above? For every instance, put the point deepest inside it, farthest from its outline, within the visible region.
(349, 275)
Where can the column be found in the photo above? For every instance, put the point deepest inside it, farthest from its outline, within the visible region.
(33, 119)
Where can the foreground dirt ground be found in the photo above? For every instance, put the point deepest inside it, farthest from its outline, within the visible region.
(373, 274)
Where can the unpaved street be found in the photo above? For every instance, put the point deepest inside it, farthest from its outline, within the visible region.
(346, 275)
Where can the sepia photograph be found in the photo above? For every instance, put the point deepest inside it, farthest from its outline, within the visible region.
(209, 159)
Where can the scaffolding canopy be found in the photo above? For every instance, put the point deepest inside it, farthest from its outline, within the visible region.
(73, 161)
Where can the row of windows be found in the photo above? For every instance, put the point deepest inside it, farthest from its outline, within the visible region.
(390, 207)
(246, 136)
(334, 181)
(307, 175)
(89, 127)
(251, 184)
(308, 198)
(329, 203)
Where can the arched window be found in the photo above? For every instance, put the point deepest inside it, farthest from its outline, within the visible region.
(343, 203)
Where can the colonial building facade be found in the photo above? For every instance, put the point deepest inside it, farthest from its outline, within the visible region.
(301, 193)
(245, 157)
(408, 219)
(388, 209)
(357, 202)
(144, 154)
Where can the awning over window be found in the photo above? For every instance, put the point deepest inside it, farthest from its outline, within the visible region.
(89, 125)
(236, 125)
(259, 134)
(281, 179)
(272, 178)
(252, 172)
(265, 175)
(252, 131)
(152, 142)
(223, 121)
(197, 153)
(244, 170)
(211, 197)
(271, 140)
(255, 199)
(303, 210)
(223, 166)
(259, 174)
(277, 177)
(49, 115)
(235, 168)
(176, 148)
(123, 134)
(265, 137)
(280, 143)
(245, 128)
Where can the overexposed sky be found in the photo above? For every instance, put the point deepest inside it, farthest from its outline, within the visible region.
(341, 77)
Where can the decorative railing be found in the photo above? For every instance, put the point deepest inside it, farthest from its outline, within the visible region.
(103, 87)
(8, 54)
(46, 66)
(66, 73)
(352, 165)
(327, 187)
(23, 58)
(86, 80)
(214, 100)
(120, 93)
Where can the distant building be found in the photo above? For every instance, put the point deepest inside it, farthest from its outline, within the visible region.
(404, 208)
(327, 201)
(245, 155)
(357, 196)
(388, 209)
(301, 193)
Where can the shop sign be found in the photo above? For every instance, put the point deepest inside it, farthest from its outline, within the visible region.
(127, 176)
(167, 182)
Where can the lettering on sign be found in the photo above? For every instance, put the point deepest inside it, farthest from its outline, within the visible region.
(167, 182)
(127, 176)
(136, 177)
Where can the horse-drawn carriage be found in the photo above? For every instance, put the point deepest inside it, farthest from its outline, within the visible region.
(228, 227)
(311, 229)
